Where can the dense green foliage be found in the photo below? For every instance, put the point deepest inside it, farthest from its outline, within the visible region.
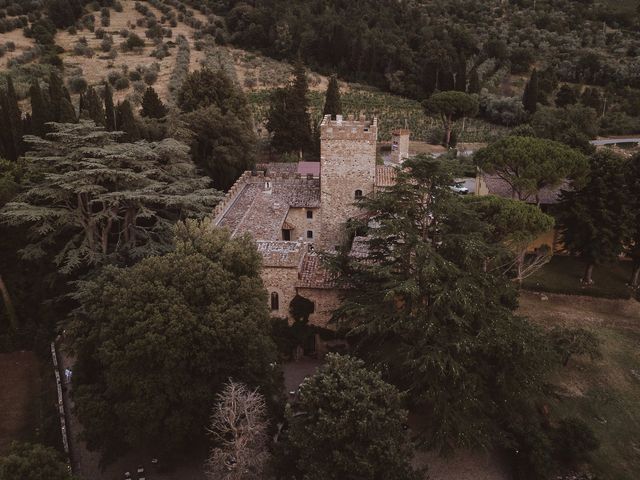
(332, 102)
(415, 48)
(427, 304)
(451, 106)
(288, 119)
(33, 462)
(529, 164)
(156, 341)
(88, 200)
(595, 219)
(152, 106)
(349, 420)
(218, 116)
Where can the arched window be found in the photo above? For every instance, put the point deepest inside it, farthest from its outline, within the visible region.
(275, 301)
(358, 194)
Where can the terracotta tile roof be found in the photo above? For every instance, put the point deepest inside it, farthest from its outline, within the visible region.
(314, 275)
(298, 195)
(385, 175)
(281, 254)
(497, 186)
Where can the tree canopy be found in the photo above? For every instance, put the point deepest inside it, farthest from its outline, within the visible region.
(26, 461)
(516, 224)
(156, 341)
(288, 118)
(595, 218)
(216, 112)
(332, 102)
(350, 420)
(451, 106)
(88, 200)
(529, 164)
(427, 302)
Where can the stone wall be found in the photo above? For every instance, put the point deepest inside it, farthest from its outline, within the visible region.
(297, 217)
(325, 301)
(282, 281)
(348, 164)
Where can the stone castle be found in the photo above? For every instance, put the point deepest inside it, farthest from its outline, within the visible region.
(293, 210)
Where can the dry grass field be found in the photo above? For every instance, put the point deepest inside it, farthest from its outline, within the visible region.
(604, 393)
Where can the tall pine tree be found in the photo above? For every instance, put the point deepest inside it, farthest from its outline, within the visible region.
(332, 101)
(288, 119)
(474, 81)
(461, 74)
(67, 112)
(152, 106)
(127, 123)
(57, 93)
(91, 107)
(40, 109)
(109, 108)
(595, 219)
(530, 96)
(11, 121)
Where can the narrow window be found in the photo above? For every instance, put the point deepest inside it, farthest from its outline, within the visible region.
(358, 194)
(309, 234)
(286, 235)
(275, 301)
(309, 213)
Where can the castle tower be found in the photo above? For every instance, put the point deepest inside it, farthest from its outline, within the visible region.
(400, 145)
(347, 171)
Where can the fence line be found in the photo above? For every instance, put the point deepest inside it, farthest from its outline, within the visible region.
(61, 409)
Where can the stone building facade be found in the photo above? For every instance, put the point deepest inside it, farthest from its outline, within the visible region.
(293, 211)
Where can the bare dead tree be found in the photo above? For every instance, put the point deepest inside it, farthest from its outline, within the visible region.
(239, 427)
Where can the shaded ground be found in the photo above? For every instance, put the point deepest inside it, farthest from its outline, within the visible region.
(563, 274)
(20, 384)
(606, 393)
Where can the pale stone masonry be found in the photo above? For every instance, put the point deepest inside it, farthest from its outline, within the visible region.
(295, 210)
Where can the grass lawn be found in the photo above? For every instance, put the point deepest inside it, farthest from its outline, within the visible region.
(606, 393)
(562, 275)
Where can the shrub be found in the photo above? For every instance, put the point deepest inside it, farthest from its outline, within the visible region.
(113, 77)
(574, 441)
(150, 77)
(121, 83)
(117, 6)
(106, 44)
(133, 42)
(3, 50)
(77, 84)
(99, 33)
(124, 33)
(135, 75)
(11, 46)
(139, 87)
(72, 30)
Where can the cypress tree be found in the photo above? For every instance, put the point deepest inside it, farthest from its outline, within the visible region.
(14, 120)
(332, 102)
(299, 112)
(288, 118)
(40, 110)
(127, 123)
(530, 96)
(67, 112)
(56, 95)
(7, 145)
(91, 107)
(152, 106)
(474, 81)
(109, 109)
